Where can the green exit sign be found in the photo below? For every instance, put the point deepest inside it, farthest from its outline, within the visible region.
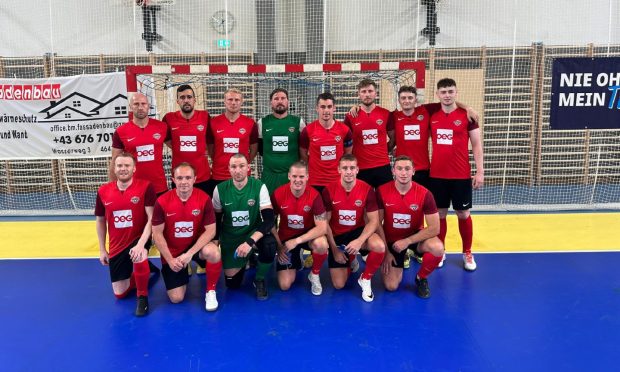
(224, 43)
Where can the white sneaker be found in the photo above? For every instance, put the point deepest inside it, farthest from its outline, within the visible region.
(211, 301)
(315, 281)
(355, 265)
(469, 263)
(442, 260)
(366, 289)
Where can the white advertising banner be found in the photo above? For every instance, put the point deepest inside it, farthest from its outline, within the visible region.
(61, 117)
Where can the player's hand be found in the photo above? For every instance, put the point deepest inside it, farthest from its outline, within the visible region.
(243, 250)
(138, 254)
(477, 181)
(282, 256)
(177, 264)
(185, 259)
(473, 115)
(104, 258)
(400, 245)
(386, 265)
(354, 247)
(354, 110)
(290, 244)
(339, 256)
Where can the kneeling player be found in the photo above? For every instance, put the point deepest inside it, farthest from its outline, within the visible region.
(124, 209)
(353, 219)
(404, 206)
(183, 227)
(302, 226)
(245, 219)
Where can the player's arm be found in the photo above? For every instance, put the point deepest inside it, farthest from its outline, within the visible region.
(259, 124)
(476, 147)
(471, 113)
(304, 144)
(210, 142)
(348, 142)
(318, 230)
(390, 132)
(372, 222)
(429, 231)
(388, 259)
(140, 251)
(253, 142)
(101, 226)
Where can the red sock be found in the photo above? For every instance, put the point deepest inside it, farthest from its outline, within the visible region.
(141, 273)
(213, 271)
(429, 263)
(317, 262)
(443, 229)
(132, 286)
(467, 233)
(373, 262)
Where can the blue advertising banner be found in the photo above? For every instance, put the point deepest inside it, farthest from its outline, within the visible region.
(585, 93)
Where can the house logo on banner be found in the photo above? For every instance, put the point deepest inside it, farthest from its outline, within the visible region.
(585, 93)
(61, 117)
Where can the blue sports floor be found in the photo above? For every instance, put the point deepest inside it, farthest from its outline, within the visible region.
(517, 312)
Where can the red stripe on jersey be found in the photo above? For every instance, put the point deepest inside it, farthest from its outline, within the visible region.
(189, 141)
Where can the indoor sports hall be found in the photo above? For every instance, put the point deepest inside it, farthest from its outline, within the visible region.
(544, 78)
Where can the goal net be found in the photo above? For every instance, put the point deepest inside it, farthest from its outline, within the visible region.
(501, 55)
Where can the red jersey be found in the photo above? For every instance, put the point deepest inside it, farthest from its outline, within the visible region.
(404, 214)
(229, 138)
(124, 212)
(348, 207)
(411, 136)
(325, 148)
(450, 135)
(185, 221)
(189, 141)
(370, 136)
(296, 214)
(147, 146)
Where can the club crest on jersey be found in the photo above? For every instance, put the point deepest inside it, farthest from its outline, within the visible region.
(135, 199)
(242, 130)
(157, 136)
(414, 207)
(201, 127)
(338, 138)
(358, 203)
(457, 122)
(420, 117)
(307, 208)
(251, 202)
(379, 122)
(291, 129)
(196, 212)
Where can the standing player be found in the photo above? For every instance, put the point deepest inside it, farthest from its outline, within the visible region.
(183, 227)
(451, 181)
(302, 225)
(323, 142)
(353, 219)
(245, 219)
(278, 140)
(144, 138)
(371, 127)
(230, 133)
(404, 206)
(124, 209)
(187, 135)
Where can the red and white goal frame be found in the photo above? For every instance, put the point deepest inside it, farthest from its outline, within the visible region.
(131, 72)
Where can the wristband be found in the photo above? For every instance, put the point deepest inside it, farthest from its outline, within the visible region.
(250, 242)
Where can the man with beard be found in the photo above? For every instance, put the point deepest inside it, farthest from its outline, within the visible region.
(143, 138)
(187, 135)
(278, 135)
